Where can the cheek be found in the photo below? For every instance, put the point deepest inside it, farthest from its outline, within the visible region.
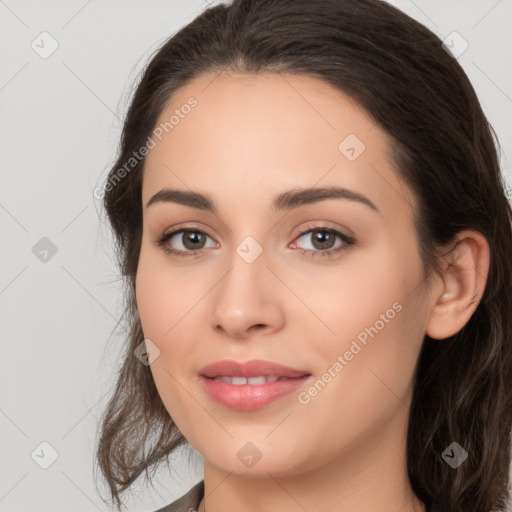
(162, 310)
(162, 295)
(376, 317)
(352, 298)
(168, 302)
(368, 375)
(149, 296)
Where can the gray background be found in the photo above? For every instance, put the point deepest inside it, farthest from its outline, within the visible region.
(60, 122)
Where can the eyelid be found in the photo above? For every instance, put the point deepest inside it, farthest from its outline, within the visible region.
(186, 227)
(316, 224)
(297, 232)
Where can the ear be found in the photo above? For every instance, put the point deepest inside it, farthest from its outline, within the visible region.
(463, 280)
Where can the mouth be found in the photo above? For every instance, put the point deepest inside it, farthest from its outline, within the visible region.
(251, 385)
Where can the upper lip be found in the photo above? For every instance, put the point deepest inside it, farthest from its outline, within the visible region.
(253, 368)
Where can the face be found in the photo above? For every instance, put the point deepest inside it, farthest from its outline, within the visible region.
(330, 285)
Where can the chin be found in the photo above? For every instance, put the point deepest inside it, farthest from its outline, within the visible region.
(256, 459)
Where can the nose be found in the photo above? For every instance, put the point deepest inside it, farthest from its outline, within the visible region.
(247, 300)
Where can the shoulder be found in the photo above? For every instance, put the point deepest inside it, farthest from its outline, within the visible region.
(189, 502)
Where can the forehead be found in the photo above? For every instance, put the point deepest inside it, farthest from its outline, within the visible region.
(252, 134)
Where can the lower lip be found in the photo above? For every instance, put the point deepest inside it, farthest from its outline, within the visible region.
(249, 397)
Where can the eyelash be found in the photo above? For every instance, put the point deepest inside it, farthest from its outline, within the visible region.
(347, 242)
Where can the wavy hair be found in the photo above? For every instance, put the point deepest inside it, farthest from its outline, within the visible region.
(444, 149)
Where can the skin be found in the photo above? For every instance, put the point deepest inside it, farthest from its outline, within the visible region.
(250, 138)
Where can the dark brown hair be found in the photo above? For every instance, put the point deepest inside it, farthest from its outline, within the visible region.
(444, 149)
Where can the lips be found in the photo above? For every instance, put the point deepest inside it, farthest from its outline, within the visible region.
(251, 385)
(253, 368)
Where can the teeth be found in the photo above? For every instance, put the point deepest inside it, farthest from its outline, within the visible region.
(239, 381)
(256, 380)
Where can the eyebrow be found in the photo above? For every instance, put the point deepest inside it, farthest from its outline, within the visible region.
(285, 201)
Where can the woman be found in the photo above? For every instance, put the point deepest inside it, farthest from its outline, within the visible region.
(317, 246)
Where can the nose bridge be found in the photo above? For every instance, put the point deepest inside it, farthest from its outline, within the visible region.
(247, 275)
(246, 295)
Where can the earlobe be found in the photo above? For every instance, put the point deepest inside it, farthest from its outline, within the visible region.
(462, 285)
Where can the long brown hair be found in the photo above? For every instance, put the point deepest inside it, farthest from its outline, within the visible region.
(444, 149)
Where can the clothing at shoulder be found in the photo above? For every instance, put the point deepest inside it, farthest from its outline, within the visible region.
(189, 502)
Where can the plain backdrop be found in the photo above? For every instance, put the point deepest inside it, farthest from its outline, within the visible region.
(60, 292)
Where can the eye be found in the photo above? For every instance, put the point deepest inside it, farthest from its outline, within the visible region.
(190, 242)
(323, 240)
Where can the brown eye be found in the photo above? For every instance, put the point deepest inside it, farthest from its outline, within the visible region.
(323, 241)
(192, 240)
(184, 242)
